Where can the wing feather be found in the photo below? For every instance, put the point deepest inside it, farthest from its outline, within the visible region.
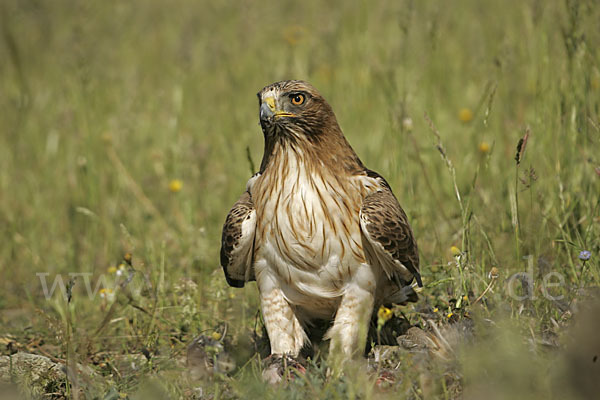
(237, 242)
(389, 236)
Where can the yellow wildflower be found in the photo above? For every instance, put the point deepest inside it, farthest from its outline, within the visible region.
(450, 314)
(175, 185)
(112, 269)
(455, 251)
(127, 257)
(216, 336)
(465, 114)
(436, 309)
(384, 314)
(484, 147)
(106, 293)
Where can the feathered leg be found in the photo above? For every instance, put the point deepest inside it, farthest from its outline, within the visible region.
(350, 328)
(286, 334)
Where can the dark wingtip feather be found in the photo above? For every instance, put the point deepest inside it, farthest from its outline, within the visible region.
(417, 276)
(236, 283)
(402, 296)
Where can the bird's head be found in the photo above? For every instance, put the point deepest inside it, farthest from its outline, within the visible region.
(295, 110)
(293, 113)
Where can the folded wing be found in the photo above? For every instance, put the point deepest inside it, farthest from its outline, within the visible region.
(389, 239)
(237, 242)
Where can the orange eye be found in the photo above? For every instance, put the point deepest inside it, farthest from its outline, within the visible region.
(297, 99)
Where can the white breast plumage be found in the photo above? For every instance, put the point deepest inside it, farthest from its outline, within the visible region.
(308, 231)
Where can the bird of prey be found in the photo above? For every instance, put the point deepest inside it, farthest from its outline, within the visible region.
(323, 236)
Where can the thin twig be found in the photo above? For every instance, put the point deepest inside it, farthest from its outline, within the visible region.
(486, 290)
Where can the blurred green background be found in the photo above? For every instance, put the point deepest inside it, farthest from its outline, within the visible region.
(129, 127)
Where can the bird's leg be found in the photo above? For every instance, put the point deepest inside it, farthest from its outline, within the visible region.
(286, 335)
(350, 327)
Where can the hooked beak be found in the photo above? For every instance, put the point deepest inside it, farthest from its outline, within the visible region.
(268, 111)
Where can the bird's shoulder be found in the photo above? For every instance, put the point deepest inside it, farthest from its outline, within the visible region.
(252, 181)
(370, 182)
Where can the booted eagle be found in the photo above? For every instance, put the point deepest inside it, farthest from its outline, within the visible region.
(323, 236)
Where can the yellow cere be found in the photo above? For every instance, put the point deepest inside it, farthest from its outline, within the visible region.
(270, 102)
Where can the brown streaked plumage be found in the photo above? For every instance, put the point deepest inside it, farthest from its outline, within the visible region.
(324, 237)
(236, 248)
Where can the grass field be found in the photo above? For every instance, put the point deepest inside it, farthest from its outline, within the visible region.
(131, 128)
